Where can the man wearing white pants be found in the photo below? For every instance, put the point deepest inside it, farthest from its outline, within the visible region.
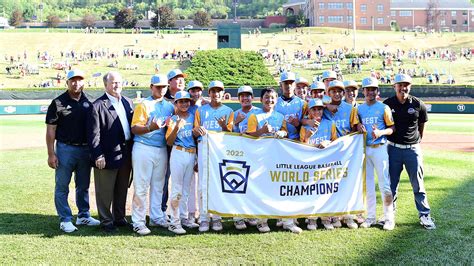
(376, 119)
(149, 156)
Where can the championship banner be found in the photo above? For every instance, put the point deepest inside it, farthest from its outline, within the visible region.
(280, 178)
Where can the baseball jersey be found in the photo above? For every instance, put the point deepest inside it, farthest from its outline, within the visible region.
(325, 131)
(206, 117)
(377, 114)
(293, 108)
(144, 114)
(242, 126)
(184, 138)
(345, 118)
(274, 119)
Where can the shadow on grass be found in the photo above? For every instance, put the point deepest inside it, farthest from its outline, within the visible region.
(449, 243)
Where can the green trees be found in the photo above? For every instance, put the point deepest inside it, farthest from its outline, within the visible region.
(16, 18)
(52, 21)
(164, 18)
(202, 19)
(125, 19)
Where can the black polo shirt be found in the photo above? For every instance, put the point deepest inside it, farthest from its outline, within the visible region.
(407, 116)
(70, 117)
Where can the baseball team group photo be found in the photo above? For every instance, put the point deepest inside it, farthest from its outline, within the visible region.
(242, 139)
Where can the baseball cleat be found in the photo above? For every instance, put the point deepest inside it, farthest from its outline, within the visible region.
(67, 227)
(263, 227)
(279, 223)
(351, 224)
(252, 221)
(327, 224)
(141, 230)
(427, 222)
(217, 225)
(293, 228)
(312, 225)
(177, 229)
(368, 223)
(89, 221)
(389, 225)
(240, 225)
(204, 226)
(188, 223)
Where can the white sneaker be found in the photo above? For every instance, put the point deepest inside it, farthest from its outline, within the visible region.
(359, 218)
(67, 227)
(141, 230)
(350, 223)
(240, 225)
(381, 220)
(312, 225)
(204, 226)
(336, 222)
(389, 225)
(293, 228)
(87, 221)
(427, 222)
(368, 223)
(252, 221)
(188, 223)
(159, 222)
(279, 223)
(263, 227)
(217, 225)
(327, 224)
(177, 229)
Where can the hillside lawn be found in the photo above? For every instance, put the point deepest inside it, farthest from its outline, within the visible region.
(29, 225)
(34, 40)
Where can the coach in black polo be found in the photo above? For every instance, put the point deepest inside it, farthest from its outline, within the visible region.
(66, 126)
(410, 116)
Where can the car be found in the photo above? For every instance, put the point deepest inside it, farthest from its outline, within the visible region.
(189, 27)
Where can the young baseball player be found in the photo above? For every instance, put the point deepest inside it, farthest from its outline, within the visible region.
(183, 155)
(351, 89)
(245, 95)
(376, 119)
(317, 90)
(268, 123)
(320, 136)
(210, 117)
(346, 120)
(301, 89)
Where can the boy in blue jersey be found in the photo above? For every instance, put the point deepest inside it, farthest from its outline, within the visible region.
(351, 89)
(183, 155)
(149, 155)
(319, 135)
(376, 119)
(210, 117)
(345, 118)
(301, 89)
(317, 90)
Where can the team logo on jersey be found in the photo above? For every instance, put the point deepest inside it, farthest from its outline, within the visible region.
(411, 111)
(234, 176)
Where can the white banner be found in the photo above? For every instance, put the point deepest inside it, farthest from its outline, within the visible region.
(267, 177)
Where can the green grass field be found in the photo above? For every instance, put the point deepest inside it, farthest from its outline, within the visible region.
(16, 42)
(29, 226)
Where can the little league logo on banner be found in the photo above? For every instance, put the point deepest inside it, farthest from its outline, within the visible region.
(267, 177)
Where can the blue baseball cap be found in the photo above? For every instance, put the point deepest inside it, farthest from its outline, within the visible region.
(159, 80)
(182, 95)
(335, 84)
(318, 85)
(243, 89)
(174, 73)
(370, 82)
(329, 74)
(75, 73)
(302, 80)
(351, 84)
(287, 76)
(194, 84)
(402, 78)
(216, 84)
(315, 102)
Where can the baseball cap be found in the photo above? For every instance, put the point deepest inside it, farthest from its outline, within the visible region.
(302, 80)
(194, 84)
(243, 89)
(287, 76)
(402, 78)
(370, 82)
(216, 84)
(335, 84)
(159, 80)
(315, 102)
(351, 84)
(329, 74)
(75, 73)
(180, 95)
(174, 73)
(318, 85)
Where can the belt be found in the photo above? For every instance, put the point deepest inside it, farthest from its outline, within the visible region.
(190, 150)
(402, 146)
(75, 144)
(376, 145)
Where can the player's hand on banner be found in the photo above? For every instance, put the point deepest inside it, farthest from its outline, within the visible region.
(222, 122)
(361, 128)
(100, 162)
(324, 144)
(240, 117)
(199, 131)
(280, 134)
(53, 161)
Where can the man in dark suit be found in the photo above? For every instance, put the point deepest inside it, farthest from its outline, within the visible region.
(110, 140)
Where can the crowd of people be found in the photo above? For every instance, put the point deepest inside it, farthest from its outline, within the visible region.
(160, 139)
